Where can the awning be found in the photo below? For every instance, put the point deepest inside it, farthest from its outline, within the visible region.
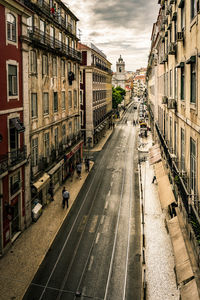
(166, 195)
(41, 182)
(56, 167)
(182, 261)
(159, 170)
(154, 154)
(18, 124)
(189, 291)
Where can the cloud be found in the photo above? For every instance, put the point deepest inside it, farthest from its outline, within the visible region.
(118, 27)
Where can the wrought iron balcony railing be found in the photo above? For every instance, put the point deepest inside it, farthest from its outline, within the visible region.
(53, 15)
(101, 67)
(3, 163)
(45, 40)
(17, 156)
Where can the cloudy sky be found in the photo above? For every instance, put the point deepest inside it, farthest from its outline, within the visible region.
(117, 27)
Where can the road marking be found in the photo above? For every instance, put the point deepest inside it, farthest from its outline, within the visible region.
(102, 219)
(91, 262)
(106, 205)
(97, 238)
(93, 224)
(82, 224)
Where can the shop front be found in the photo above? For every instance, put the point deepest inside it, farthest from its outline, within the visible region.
(56, 175)
(71, 159)
(40, 190)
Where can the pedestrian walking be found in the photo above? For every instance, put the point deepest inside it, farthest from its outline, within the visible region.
(154, 178)
(65, 195)
(79, 169)
(87, 164)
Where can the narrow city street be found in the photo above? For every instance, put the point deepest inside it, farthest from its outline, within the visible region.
(97, 252)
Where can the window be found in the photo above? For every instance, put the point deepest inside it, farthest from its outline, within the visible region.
(70, 128)
(175, 138)
(170, 83)
(182, 150)
(62, 68)
(52, 35)
(75, 98)
(64, 134)
(44, 65)
(70, 99)
(55, 101)
(74, 71)
(46, 144)
(63, 100)
(182, 17)
(69, 67)
(54, 66)
(175, 83)
(12, 80)
(193, 165)
(34, 108)
(15, 183)
(42, 31)
(182, 83)
(81, 117)
(33, 62)
(175, 31)
(81, 76)
(34, 152)
(56, 138)
(193, 83)
(76, 125)
(13, 135)
(11, 27)
(170, 132)
(193, 8)
(81, 97)
(45, 103)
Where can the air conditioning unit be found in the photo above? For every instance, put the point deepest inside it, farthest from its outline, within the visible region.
(172, 48)
(164, 100)
(180, 36)
(172, 104)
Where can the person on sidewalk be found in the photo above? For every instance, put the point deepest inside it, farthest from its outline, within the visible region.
(154, 178)
(65, 195)
(87, 164)
(79, 169)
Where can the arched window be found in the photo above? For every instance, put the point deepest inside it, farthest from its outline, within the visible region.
(11, 27)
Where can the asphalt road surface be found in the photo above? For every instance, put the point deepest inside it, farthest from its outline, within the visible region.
(97, 252)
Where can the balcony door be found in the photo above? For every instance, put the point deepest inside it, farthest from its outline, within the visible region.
(14, 141)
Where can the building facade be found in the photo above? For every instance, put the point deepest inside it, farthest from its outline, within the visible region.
(53, 92)
(173, 94)
(119, 77)
(95, 93)
(14, 197)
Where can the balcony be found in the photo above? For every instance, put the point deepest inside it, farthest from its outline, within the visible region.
(47, 42)
(172, 104)
(164, 100)
(103, 68)
(3, 163)
(43, 8)
(17, 156)
(172, 48)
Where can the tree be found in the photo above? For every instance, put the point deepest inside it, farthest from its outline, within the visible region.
(121, 91)
(116, 98)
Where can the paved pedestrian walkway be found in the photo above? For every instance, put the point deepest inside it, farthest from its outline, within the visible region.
(19, 265)
(159, 252)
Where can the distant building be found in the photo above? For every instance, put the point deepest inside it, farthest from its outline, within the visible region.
(95, 93)
(119, 77)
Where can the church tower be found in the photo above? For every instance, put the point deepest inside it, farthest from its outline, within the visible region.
(119, 78)
(120, 65)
